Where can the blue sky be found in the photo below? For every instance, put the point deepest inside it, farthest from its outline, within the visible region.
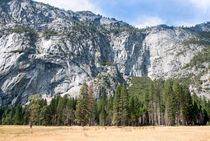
(142, 13)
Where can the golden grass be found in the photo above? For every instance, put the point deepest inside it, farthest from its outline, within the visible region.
(75, 133)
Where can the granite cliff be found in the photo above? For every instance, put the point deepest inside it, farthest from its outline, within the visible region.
(48, 51)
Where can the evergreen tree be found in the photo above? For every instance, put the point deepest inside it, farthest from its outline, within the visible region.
(132, 110)
(18, 115)
(82, 109)
(34, 109)
(152, 104)
(26, 115)
(117, 107)
(43, 116)
(168, 98)
(171, 109)
(92, 105)
(124, 101)
(109, 108)
(60, 109)
(178, 94)
(188, 107)
(102, 116)
(69, 112)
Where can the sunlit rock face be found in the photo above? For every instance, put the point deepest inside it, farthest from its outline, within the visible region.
(48, 51)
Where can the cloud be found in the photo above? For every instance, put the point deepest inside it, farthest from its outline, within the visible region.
(204, 5)
(147, 21)
(74, 5)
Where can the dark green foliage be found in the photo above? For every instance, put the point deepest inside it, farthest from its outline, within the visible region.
(27, 51)
(200, 58)
(18, 115)
(171, 108)
(106, 64)
(170, 101)
(188, 107)
(147, 102)
(117, 107)
(204, 34)
(109, 111)
(134, 107)
(102, 109)
(124, 102)
(92, 105)
(49, 33)
(82, 109)
(30, 32)
(140, 86)
(197, 40)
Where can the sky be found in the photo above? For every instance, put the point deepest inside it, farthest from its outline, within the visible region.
(143, 13)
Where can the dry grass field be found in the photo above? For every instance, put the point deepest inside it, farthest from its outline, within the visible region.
(74, 133)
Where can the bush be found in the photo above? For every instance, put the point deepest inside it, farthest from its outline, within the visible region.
(21, 51)
(21, 29)
(106, 64)
(49, 33)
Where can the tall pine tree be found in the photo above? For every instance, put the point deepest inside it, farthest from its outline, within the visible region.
(117, 107)
(82, 108)
(124, 101)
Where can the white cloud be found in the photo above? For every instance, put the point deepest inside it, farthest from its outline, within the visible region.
(147, 21)
(75, 5)
(204, 5)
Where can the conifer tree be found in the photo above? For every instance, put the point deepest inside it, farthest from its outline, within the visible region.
(34, 108)
(82, 108)
(18, 115)
(92, 105)
(178, 94)
(170, 103)
(102, 117)
(117, 107)
(109, 108)
(124, 101)
(132, 111)
(188, 107)
(152, 103)
(171, 109)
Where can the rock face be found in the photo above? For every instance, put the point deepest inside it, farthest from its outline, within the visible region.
(48, 51)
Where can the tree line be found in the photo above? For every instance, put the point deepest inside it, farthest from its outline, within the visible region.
(145, 102)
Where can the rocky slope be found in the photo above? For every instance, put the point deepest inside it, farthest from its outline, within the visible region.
(48, 51)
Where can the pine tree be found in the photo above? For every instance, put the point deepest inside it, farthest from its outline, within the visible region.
(188, 107)
(102, 116)
(92, 105)
(132, 111)
(124, 102)
(178, 94)
(18, 115)
(34, 109)
(60, 109)
(43, 118)
(82, 108)
(69, 112)
(109, 108)
(51, 112)
(171, 109)
(117, 107)
(152, 105)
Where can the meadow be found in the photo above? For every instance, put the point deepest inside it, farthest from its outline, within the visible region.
(99, 133)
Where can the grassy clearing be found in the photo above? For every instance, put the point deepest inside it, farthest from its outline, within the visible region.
(74, 133)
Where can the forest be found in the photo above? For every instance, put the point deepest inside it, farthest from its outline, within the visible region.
(144, 102)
